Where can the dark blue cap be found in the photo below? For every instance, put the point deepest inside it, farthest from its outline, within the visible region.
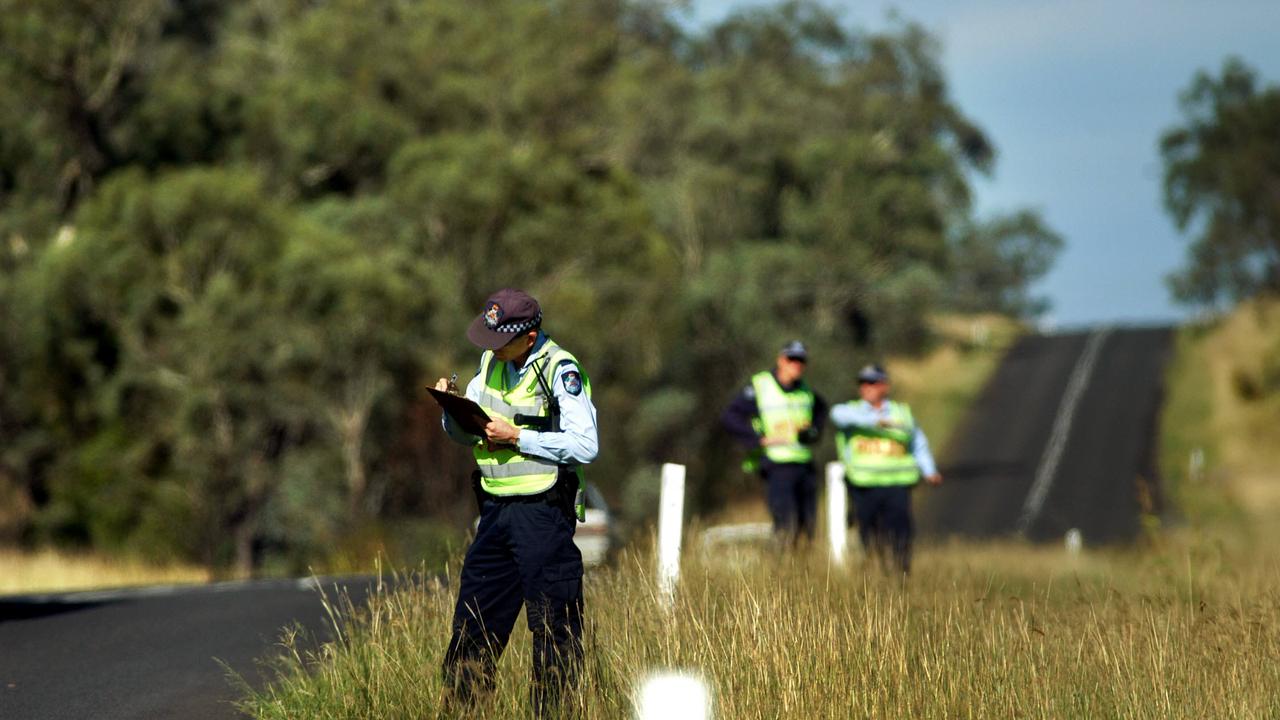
(795, 349)
(872, 374)
(507, 313)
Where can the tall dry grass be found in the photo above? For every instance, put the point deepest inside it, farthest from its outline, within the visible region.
(1179, 631)
(1184, 625)
(48, 570)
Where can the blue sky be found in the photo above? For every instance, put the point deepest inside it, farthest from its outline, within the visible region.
(1075, 95)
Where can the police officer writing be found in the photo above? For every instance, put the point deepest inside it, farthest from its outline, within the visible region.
(884, 453)
(777, 417)
(529, 487)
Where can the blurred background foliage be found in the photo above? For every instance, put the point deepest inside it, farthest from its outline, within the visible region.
(238, 237)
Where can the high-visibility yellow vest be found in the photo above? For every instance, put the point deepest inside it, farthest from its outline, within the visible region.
(880, 456)
(782, 415)
(505, 471)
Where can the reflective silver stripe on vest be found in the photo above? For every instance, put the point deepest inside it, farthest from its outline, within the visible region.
(882, 470)
(495, 471)
(496, 403)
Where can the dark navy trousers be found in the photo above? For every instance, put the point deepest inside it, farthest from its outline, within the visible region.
(791, 490)
(884, 522)
(523, 555)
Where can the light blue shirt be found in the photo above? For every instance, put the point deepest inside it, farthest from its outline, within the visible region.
(578, 441)
(862, 414)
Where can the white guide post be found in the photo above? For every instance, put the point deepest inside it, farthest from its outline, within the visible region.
(673, 697)
(670, 522)
(1074, 541)
(1195, 465)
(837, 504)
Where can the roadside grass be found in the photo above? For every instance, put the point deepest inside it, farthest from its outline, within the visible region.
(48, 570)
(1184, 631)
(400, 542)
(1224, 399)
(1181, 625)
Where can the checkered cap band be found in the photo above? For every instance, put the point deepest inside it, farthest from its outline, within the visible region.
(520, 326)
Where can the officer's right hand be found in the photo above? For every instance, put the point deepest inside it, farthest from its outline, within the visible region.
(442, 385)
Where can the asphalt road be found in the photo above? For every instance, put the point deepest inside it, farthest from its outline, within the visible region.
(153, 653)
(1063, 436)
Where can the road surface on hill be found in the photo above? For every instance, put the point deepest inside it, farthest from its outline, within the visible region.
(1063, 436)
(149, 653)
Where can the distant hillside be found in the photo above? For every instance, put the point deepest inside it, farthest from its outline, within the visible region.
(1221, 426)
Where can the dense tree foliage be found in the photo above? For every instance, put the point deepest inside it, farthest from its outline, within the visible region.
(241, 235)
(1222, 182)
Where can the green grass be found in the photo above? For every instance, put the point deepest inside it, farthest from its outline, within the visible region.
(1185, 427)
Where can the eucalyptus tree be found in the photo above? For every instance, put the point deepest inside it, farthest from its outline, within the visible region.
(1221, 184)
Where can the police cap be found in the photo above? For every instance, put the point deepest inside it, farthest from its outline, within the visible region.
(872, 374)
(794, 350)
(506, 314)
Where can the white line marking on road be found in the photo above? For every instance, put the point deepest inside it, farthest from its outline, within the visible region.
(1061, 430)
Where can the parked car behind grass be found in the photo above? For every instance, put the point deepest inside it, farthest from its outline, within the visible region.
(597, 533)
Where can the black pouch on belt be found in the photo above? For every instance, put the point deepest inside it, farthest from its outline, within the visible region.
(565, 492)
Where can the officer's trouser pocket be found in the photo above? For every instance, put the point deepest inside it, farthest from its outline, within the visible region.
(562, 584)
(558, 603)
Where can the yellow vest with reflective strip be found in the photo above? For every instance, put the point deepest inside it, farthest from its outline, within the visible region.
(782, 415)
(880, 456)
(505, 471)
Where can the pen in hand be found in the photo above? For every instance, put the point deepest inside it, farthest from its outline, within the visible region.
(450, 386)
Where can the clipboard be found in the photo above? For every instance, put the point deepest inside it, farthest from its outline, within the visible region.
(469, 416)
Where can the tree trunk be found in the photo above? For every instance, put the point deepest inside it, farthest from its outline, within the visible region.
(357, 480)
(243, 534)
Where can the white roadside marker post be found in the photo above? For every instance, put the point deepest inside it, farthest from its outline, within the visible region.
(673, 697)
(1074, 541)
(1195, 465)
(670, 521)
(837, 509)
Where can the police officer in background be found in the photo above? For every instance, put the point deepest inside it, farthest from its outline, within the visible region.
(884, 453)
(542, 431)
(777, 417)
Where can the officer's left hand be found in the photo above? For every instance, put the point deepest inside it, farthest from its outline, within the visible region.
(501, 432)
(934, 479)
